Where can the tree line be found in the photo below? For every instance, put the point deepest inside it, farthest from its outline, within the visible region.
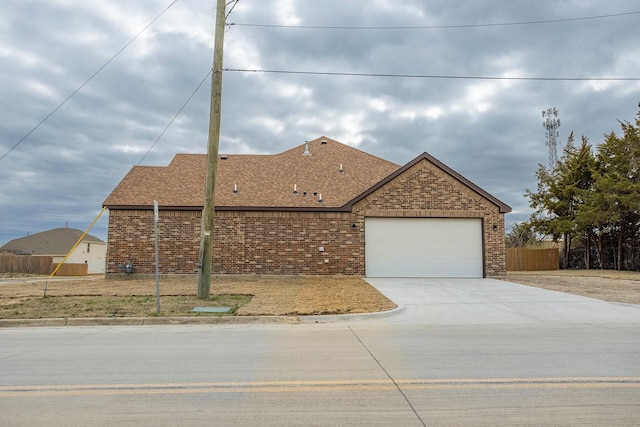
(590, 199)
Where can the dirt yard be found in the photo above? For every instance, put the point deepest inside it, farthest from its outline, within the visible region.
(607, 285)
(24, 298)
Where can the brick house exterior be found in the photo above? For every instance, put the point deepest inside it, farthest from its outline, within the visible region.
(298, 212)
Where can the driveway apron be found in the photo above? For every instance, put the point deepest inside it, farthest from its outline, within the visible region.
(491, 301)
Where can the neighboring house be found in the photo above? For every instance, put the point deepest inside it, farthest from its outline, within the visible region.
(320, 208)
(56, 243)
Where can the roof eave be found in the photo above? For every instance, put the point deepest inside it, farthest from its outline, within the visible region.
(236, 208)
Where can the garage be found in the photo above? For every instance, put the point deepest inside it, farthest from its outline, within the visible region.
(423, 247)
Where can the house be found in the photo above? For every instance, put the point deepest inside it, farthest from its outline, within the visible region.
(57, 243)
(321, 208)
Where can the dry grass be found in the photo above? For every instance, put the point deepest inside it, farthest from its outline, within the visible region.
(607, 285)
(24, 298)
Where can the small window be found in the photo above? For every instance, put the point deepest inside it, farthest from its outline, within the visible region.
(88, 247)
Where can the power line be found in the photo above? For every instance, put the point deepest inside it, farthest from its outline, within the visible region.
(432, 76)
(235, 3)
(86, 81)
(175, 116)
(434, 27)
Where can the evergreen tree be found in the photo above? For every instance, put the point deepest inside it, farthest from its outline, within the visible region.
(592, 197)
(561, 192)
(616, 201)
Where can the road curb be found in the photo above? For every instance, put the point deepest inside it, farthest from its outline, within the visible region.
(142, 321)
(196, 320)
(338, 318)
(15, 323)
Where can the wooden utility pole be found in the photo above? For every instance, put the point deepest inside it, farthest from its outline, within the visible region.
(208, 212)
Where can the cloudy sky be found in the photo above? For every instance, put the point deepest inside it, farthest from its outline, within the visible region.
(488, 130)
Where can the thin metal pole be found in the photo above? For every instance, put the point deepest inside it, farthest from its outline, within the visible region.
(155, 229)
(208, 212)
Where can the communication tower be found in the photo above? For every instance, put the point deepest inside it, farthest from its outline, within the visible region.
(551, 124)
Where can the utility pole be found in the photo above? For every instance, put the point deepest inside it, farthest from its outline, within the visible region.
(208, 212)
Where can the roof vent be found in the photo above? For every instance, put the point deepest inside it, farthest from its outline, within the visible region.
(323, 142)
(341, 168)
(306, 149)
(295, 189)
(320, 198)
(224, 157)
(235, 188)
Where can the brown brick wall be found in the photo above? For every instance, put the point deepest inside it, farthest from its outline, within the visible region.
(131, 239)
(289, 242)
(244, 242)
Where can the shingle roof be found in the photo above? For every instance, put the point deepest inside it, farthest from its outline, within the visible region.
(52, 242)
(341, 174)
(262, 181)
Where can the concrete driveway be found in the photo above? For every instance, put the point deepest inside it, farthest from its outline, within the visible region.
(491, 301)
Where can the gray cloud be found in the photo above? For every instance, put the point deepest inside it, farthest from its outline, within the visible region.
(489, 131)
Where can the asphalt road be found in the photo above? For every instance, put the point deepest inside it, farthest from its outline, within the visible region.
(510, 368)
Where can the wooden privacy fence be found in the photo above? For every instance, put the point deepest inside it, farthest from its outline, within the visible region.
(70, 269)
(10, 263)
(523, 259)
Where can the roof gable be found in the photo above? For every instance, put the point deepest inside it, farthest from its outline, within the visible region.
(503, 207)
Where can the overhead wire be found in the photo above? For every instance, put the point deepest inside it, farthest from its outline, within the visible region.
(175, 117)
(235, 3)
(432, 76)
(434, 27)
(87, 81)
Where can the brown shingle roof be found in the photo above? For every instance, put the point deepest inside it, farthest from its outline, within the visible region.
(57, 241)
(262, 181)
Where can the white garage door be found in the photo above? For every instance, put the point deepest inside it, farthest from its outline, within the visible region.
(423, 247)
